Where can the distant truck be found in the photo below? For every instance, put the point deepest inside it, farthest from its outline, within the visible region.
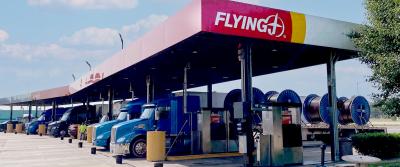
(102, 131)
(167, 115)
(75, 115)
(45, 118)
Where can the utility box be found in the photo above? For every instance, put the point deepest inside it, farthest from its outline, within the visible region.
(345, 147)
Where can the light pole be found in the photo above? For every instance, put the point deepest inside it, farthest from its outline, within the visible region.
(90, 66)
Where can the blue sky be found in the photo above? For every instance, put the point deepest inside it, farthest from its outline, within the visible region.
(44, 42)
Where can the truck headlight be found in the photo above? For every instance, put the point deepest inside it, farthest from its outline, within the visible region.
(121, 140)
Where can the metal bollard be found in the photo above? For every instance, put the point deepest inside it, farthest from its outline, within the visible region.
(323, 148)
(62, 137)
(27, 133)
(158, 164)
(93, 150)
(80, 144)
(40, 134)
(15, 132)
(69, 140)
(118, 159)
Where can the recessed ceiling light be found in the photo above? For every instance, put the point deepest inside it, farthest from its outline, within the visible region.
(274, 50)
(275, 67)
(174, 77)
(167, 89)
(225, 77)
(125, 78)
(194, 52)
(213, 67)
(153, 68)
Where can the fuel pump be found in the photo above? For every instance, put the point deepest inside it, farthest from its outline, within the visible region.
(280, 141)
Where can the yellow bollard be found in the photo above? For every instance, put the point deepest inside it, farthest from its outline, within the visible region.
(42, 129)
(18, 128)
(89, 132)
(78, 132)
(10, 128)
(155, 146)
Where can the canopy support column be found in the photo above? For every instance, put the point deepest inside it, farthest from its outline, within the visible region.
(30, 112)
(36, 109)
(149, 89)
(245, 54)
(110, 103)
(209, 96)
(11, 111)
(53, 111)
(333, 128)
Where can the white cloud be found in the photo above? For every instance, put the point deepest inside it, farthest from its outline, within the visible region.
(87, 4)
(3, 35)
(95, 36)
(29, 52)
(92, 36)
(146, 23)
(255, 2)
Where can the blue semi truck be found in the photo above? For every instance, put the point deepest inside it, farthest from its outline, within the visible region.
(102, 131)
(167, 114)
(75, 115)
(45, 118)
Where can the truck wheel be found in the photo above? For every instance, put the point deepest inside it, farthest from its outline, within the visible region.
(138, 148)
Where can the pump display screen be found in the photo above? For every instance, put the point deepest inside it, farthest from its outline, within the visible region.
(147, 113)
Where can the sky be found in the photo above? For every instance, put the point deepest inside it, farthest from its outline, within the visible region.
(44, 42)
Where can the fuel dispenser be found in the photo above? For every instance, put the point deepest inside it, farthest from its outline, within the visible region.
(279, 142)
(237, 112)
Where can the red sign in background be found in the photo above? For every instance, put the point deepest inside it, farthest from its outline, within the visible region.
(235, 18)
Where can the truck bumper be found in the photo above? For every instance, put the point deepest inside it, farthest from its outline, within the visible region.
(119, 149)
(100, 142)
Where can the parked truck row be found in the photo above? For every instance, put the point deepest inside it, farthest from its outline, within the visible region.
(194, 129)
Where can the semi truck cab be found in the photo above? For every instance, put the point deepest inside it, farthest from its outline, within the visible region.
(45, 118)
(164, 115)
(75, 115)
(102, 131)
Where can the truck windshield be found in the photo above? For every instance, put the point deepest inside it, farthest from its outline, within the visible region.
(147, 113)
(122, 116)
(65, 116)
(41, 118)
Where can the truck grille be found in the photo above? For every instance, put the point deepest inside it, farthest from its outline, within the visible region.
(113, 131)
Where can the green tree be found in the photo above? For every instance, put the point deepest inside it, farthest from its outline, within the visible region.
(379, 46)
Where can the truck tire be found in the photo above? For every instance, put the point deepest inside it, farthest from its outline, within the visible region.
(138, 148)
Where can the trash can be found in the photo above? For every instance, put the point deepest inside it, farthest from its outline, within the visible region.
(42, 129)
(345, 147)
(10, 128)
(18, 128)
(89, 134)
(155, 146)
